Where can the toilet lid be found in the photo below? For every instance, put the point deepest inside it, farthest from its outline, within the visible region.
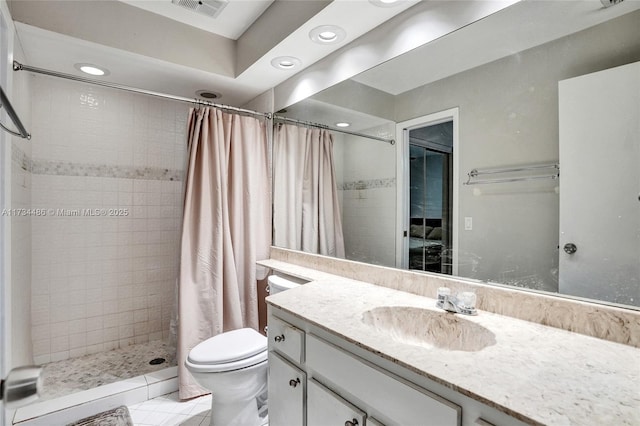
(228, 347)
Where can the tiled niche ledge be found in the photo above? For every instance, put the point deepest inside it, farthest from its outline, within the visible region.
(591, 319)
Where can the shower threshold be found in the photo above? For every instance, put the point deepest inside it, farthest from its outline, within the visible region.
(70, 408)
(81, 387)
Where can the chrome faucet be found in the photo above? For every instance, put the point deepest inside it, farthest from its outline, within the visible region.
(463, 303)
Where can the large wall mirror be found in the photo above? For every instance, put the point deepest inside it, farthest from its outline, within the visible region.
(516, 158)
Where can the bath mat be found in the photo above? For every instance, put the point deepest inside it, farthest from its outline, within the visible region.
(116, 417)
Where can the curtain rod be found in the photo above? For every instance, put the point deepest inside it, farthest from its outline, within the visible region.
(322, 126)
(22, 132)
(21, 67)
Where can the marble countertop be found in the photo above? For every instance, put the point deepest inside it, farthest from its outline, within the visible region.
(536, 373)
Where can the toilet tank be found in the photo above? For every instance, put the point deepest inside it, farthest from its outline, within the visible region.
(278, 283)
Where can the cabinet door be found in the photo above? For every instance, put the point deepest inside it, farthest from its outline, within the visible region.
(286, 392)
(325, 408)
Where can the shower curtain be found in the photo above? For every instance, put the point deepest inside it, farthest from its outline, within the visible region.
(226, 228)
(306, 212)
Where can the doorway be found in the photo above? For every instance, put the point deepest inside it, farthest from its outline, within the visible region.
(600, 185)
(430, 197)
(428, 159)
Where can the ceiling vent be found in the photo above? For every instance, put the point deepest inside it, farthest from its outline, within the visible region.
(210, 8)
(607, 3)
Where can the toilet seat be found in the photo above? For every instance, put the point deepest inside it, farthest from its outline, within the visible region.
(228, 351)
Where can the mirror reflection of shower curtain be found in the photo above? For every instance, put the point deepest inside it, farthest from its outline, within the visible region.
(306, 212)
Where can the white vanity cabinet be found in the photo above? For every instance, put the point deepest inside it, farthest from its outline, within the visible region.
(317, 378)
(314, 383)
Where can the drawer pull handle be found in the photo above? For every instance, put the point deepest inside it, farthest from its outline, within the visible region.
(279, 338)
(293, 383)
(353, 422)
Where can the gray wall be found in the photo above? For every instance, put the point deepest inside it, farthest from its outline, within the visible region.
(509, 115)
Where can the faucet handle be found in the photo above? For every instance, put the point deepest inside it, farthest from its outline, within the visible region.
(443, 294)
(462, 303)
(467, 299)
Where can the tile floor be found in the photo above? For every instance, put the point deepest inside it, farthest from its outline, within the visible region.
(167, 410)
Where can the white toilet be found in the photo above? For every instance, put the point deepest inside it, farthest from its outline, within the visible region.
(233, 366)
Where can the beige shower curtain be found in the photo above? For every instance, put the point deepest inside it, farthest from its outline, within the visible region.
(306, 211)
(226, 228)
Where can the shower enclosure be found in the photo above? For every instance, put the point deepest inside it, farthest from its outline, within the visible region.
(97, 245)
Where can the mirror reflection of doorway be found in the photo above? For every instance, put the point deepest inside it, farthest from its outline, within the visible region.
(431, 197)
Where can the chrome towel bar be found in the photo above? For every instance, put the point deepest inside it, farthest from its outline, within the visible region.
(514, 174)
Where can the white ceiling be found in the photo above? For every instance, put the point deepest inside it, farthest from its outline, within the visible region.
(519, 27)
(179, 52)
(516, 28)
(316, 111)
(56, 34)
(234, 20)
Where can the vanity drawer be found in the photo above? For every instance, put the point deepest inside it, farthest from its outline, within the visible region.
(378, 389)
(286, 339)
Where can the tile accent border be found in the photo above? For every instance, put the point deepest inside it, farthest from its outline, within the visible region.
(369, 184)
(64, 168)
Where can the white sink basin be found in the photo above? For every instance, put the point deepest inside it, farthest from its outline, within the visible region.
(423, 327)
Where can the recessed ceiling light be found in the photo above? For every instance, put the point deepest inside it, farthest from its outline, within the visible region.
(385, 3)
(326, 34)
(343, 124)
(208, 94)
(91, 69)
(286, 62)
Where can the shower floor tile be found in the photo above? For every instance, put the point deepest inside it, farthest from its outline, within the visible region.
(90, 371)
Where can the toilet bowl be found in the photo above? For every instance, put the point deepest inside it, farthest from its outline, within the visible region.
(233, 366)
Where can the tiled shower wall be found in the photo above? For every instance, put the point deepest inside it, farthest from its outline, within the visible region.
(367, 190)
(20, 253)
(107, 171)
(20, 282)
